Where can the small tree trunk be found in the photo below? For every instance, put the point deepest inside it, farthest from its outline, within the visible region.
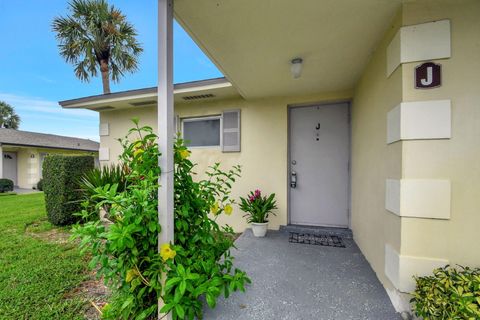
(105, 75)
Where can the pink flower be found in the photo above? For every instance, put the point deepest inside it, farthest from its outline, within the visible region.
(257, 194)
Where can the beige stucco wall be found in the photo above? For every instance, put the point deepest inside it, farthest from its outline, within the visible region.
(373, 161)
(419, 244)
(119, 122)
(414, 242)
(28, 163)
(455, 159)
(263, 155)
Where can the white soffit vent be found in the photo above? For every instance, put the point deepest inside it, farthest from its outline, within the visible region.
(419, 120)
(199, 97)
(426, 41)
(143, 103)
(105, 108)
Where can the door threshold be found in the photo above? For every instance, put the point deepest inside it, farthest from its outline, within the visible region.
(338, 231)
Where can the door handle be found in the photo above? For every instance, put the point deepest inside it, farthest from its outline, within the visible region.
(293, 180)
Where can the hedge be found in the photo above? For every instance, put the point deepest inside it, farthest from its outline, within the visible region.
(40, 185)
(6, 185)
(61, 176)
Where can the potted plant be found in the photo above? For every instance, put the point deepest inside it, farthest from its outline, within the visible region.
(257, 209)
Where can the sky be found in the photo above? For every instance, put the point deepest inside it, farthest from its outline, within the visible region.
(34, 77)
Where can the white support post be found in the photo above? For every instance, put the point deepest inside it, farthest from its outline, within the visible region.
(165, 123)
(1, 162)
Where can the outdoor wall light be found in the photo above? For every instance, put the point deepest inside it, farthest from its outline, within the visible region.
(296, 67)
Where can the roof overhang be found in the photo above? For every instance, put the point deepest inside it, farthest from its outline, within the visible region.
(36, 146)
(212, 89)
(253, 42)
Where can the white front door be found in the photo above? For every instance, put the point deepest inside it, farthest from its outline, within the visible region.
(10, 166)
(319, 165)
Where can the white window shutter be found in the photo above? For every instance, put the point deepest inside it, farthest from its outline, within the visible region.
(231, 131)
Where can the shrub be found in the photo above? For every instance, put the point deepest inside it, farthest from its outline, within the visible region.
(101, 177)
(258, 208)
(40, 185)
(6, 185)
(198, 265)
(61, 175)
(451, 293)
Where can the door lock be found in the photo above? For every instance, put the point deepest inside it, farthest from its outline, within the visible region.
(293, 180)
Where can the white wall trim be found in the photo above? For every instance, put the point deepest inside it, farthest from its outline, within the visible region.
(419, 198)
(394, 53)
(1, 162)
(420, 120)
(394, 120)
(400, 269)
(400, 300)
(104, 129)
(104, 154)
(392, 196)
(426, 41)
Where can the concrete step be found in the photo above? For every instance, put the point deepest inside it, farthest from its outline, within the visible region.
(341, 232)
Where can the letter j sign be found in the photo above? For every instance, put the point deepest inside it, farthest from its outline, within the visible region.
(428, 75)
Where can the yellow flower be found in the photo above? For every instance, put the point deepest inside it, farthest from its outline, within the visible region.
(184, 154)
(137, 148)
(131, 274)
(137, 152)
(228, 209)
(166, 252)
(214, 208)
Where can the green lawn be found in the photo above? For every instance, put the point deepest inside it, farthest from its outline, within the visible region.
(36, 274)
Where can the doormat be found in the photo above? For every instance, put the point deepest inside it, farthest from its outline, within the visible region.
(316, 239)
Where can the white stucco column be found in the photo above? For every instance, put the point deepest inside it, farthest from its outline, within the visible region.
(165, 121)
(1, 162)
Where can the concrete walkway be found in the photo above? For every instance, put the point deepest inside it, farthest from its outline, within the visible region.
(24, 191)
(300, 281)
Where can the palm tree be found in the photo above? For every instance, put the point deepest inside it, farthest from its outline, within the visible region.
(96, 37)
(8, 118)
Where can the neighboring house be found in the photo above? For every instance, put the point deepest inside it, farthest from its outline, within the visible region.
(357, 140)
(22, 153)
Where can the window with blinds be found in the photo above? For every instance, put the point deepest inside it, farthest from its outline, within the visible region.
(213, 131)
(202, 132)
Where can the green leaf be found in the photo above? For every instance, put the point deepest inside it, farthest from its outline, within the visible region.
(180, 311)
(171, 282)
(177, 296)
(181, 270)
(166, 308)
(152, 226)
(182, 287)
(210, 300)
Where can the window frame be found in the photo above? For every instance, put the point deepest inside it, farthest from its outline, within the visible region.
(203, 118)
